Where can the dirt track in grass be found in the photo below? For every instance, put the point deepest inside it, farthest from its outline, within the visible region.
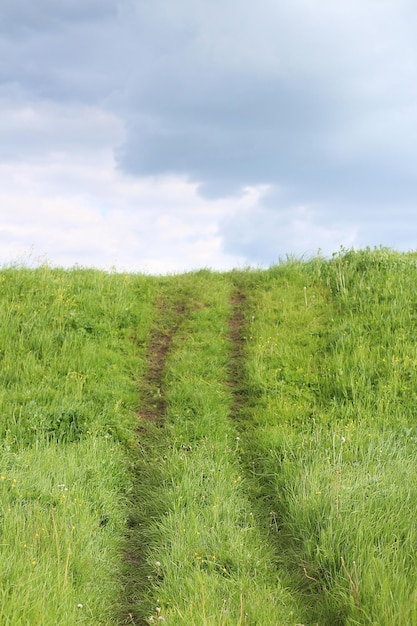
(236, 333)
(151, 412)
(152, 407)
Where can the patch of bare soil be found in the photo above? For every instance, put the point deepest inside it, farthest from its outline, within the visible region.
(152, 409)
(152, 395)
(236, 334)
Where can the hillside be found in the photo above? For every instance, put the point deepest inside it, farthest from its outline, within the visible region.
(207, 448)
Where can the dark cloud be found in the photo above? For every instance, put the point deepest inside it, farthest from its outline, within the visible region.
(317, 101)
(71, 51)
(20, 18)
(229, 131)
(322, 121)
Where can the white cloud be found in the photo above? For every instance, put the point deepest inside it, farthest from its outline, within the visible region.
(72, 205)
(38, 129)
(153, 237)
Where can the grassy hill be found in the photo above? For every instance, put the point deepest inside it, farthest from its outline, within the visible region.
(210, 449)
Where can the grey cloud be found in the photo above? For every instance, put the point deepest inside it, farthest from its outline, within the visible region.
(20, 18)
(266, 233)
(301, 124)
(229, 131)
(69, 51)
(316, 100)
(33, 132)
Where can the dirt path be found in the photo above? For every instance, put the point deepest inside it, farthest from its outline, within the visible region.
(236, 333)
(152, 406)
(261, 490)
(151, 413)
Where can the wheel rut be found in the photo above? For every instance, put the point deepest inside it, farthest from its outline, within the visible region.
(153, 405)
(237, 302)
(151, 416)
(260, 491)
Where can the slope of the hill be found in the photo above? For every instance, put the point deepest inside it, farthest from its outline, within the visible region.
(210, 448)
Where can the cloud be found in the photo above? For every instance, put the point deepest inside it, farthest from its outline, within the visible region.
(233, 133)
(69, 51)
(19, 17)
(273, 228)
(39, 129)
(74, 231)
(317, 97)
(73, 205)
(267, 235)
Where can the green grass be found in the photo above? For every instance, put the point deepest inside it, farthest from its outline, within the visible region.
(330, 374)
(277, 484)
(71, 357)
(208, 560)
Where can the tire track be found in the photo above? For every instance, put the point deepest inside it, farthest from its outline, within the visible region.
(153, 403)
(237, 303)
(261, 490)
(151, 415)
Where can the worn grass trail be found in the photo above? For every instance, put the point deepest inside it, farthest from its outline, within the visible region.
(249, 304)
(201, 550)
(282, 319)
(285, 472)
(170, 308)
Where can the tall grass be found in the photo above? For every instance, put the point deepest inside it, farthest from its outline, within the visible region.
(277, 486)
(69, 367)
(334, 377)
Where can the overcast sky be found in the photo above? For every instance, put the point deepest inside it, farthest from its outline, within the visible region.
(168, 135)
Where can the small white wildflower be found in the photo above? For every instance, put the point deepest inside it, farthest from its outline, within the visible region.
(79, 606)
(343, 439)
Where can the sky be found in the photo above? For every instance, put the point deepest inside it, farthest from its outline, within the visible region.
(163, 136)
